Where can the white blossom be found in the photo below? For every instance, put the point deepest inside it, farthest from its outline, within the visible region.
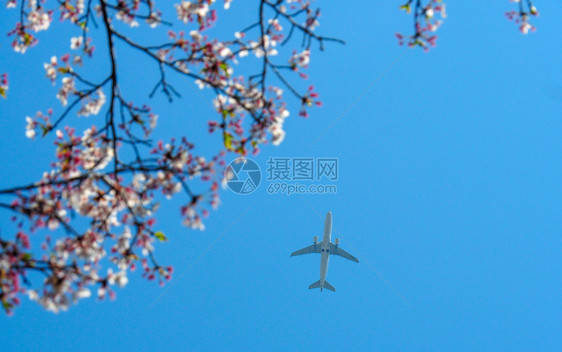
(39, 20)
(186, 9)
(66, 89)
(93, 106)
(30, 128)
(50, 69)
(153, 20)
(300, 59)
(75, 42)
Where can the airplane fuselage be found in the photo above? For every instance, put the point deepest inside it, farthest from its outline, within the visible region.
(325, 249)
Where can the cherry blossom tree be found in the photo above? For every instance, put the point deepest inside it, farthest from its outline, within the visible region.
(93, 212)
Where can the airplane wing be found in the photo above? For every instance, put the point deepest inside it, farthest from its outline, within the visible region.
(336, 250)
(315, 248)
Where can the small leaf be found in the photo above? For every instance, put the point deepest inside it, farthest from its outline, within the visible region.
(160, 235)
(406, 7)
(224, 67)
(27, 39)
(227, 140)
(7, 305)
(46, 129)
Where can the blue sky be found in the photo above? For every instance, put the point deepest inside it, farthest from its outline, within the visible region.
(449, 185)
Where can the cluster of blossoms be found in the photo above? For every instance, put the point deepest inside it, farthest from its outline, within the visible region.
(112, 204)
(212, 62)
(523, 14)
(188, 11)
(103, 190)
(72, 10)
(35, 18)
(426, 23)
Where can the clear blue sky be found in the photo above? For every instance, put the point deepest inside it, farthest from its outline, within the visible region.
(450, 185)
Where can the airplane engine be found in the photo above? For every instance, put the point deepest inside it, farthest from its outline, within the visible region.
(315, 239)
(337, 241)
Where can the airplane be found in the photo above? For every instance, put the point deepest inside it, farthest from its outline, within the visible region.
(325, 248)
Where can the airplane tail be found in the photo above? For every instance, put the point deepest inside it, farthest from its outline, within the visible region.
(326, 285)
(314, 285)
(329, 287)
